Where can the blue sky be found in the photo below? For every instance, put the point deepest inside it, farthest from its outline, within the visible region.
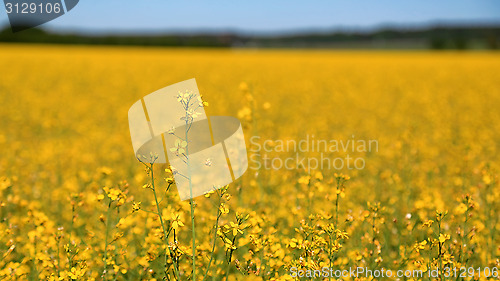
(109, 16)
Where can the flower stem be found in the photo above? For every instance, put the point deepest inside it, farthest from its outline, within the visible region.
(216, 226)
(188, 123)
(105, 271)
(337, 204)
(161, 219)
(194, 237)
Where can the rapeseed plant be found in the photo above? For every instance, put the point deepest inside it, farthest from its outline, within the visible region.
(72, 206)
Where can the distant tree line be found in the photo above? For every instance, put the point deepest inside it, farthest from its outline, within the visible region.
(444, 37)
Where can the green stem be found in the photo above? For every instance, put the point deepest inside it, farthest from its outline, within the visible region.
(70, 258)
(105, 271)
(161, 219)
(176, 265)
(227, 271)
(464, 238)
(216, 226)
(330, 253)
(229, 260)
(337, 207)
(439, 253)
(58, 258)
(193, 233)
(374, 247)
(190, 189)
(34, 261)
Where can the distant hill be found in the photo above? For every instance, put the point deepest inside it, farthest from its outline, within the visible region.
(439, 37)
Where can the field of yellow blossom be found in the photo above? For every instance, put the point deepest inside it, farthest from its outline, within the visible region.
(75, 204)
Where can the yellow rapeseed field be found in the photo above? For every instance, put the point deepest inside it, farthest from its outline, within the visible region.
(75, 204)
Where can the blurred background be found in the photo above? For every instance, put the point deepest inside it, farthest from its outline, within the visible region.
(373, 24)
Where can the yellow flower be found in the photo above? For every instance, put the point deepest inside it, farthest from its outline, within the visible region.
(113, 193)
(245, 113)
(461, 209)
(105, 170)
(420, 246)
(487, 179)
(243, 86)
(208, 194)
(443, 237)
(136, 206)
(76, 273)
(304, 180)
(228, 243)
(428, 223)
(223, 208)
(341, 234)
(295, 243)
(447, 258)
(176, 222)
(179, 147)
(235, 228)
